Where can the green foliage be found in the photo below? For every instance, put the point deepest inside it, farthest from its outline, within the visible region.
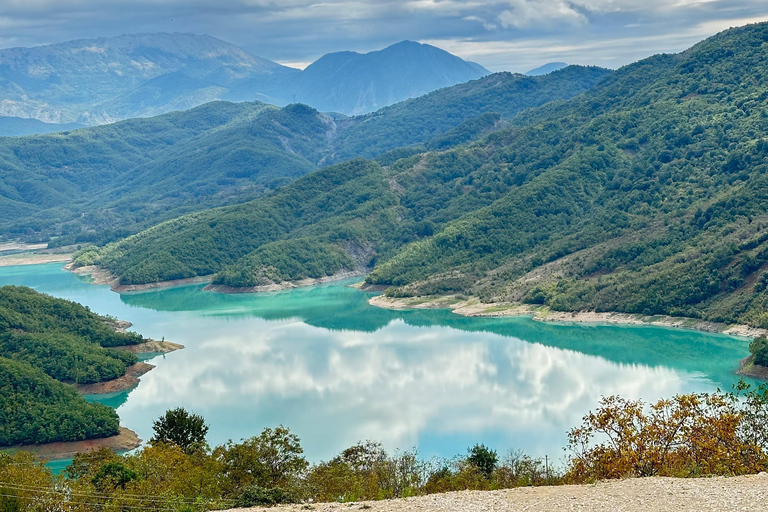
(430, 116)
(23, 309)
(181, 428)
(254, 496)
(45, 342)
(484, 459)
(34, 408)
(136, 173)
(66, 357)
(272, 460)
(759, 348)
(644, 194)
(111, 475)
(286, 260)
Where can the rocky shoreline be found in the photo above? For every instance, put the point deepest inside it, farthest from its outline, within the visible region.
(474, 308)
(125, 441)
(286, 285)
(101, 276)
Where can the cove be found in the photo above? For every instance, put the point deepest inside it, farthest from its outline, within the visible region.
(336, 370)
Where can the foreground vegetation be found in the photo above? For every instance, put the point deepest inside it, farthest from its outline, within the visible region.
(47, 344)
(685, 436)
(642, 195)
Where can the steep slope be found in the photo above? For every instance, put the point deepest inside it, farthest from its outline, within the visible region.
(646, 194)
(133, 173)
(101, 182)
(427, 117)
(355, 83)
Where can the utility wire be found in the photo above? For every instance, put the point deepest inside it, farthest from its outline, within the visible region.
(126, 496)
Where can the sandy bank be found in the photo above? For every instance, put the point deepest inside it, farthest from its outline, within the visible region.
(720, 494)
(128, 381)
(124, 441)
(152, 347)
(132, 374)
(29, 258)
(20, 246)
(474, 308)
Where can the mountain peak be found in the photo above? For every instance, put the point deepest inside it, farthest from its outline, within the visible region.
(547, 68)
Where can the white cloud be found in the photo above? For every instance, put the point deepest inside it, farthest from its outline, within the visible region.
(524, 13)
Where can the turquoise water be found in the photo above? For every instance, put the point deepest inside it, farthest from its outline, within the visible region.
(337, 370)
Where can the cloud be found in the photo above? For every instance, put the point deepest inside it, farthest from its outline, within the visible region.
(509, 35)
(523, 13)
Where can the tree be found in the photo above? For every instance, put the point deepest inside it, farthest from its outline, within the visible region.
(182, 428)
(271, 460)
(759, 347)
(483, 458)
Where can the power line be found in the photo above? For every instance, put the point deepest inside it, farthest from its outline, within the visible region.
(127, 496)
(90, 503)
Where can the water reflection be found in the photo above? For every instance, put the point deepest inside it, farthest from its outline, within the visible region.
(336, 370)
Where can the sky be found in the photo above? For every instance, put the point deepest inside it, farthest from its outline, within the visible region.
(505, 35)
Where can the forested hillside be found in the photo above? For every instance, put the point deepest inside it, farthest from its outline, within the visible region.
(106, 182)
(45, 344)
(646, 194)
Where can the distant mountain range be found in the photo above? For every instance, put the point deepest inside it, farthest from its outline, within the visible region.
(546, 68)
(97, 81)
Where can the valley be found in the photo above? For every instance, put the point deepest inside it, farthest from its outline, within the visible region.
(496, 280)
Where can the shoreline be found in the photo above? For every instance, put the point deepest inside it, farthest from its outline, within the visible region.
(12, 260)
(102, 276)
(125, 441)
(473, 308)
(128, 381)
(286, 285)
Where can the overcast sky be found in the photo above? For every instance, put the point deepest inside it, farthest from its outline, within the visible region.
(512, 35)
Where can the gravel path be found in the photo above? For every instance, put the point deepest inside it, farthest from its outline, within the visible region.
(744, 493)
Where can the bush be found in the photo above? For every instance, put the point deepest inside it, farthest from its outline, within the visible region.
(255, 495)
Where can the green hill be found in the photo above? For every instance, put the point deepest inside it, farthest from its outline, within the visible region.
(645, 194)
(102, 183)
(45, 345)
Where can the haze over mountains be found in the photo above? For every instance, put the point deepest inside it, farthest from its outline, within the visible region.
(129, 175)
(97, 81)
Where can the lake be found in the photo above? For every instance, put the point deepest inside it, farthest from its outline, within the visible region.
(336, 370)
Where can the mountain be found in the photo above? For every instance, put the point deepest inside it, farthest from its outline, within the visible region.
(546, 68)
(98, 81)
(355, 83)
(646, 194)
(95, 81)
(99, 183)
